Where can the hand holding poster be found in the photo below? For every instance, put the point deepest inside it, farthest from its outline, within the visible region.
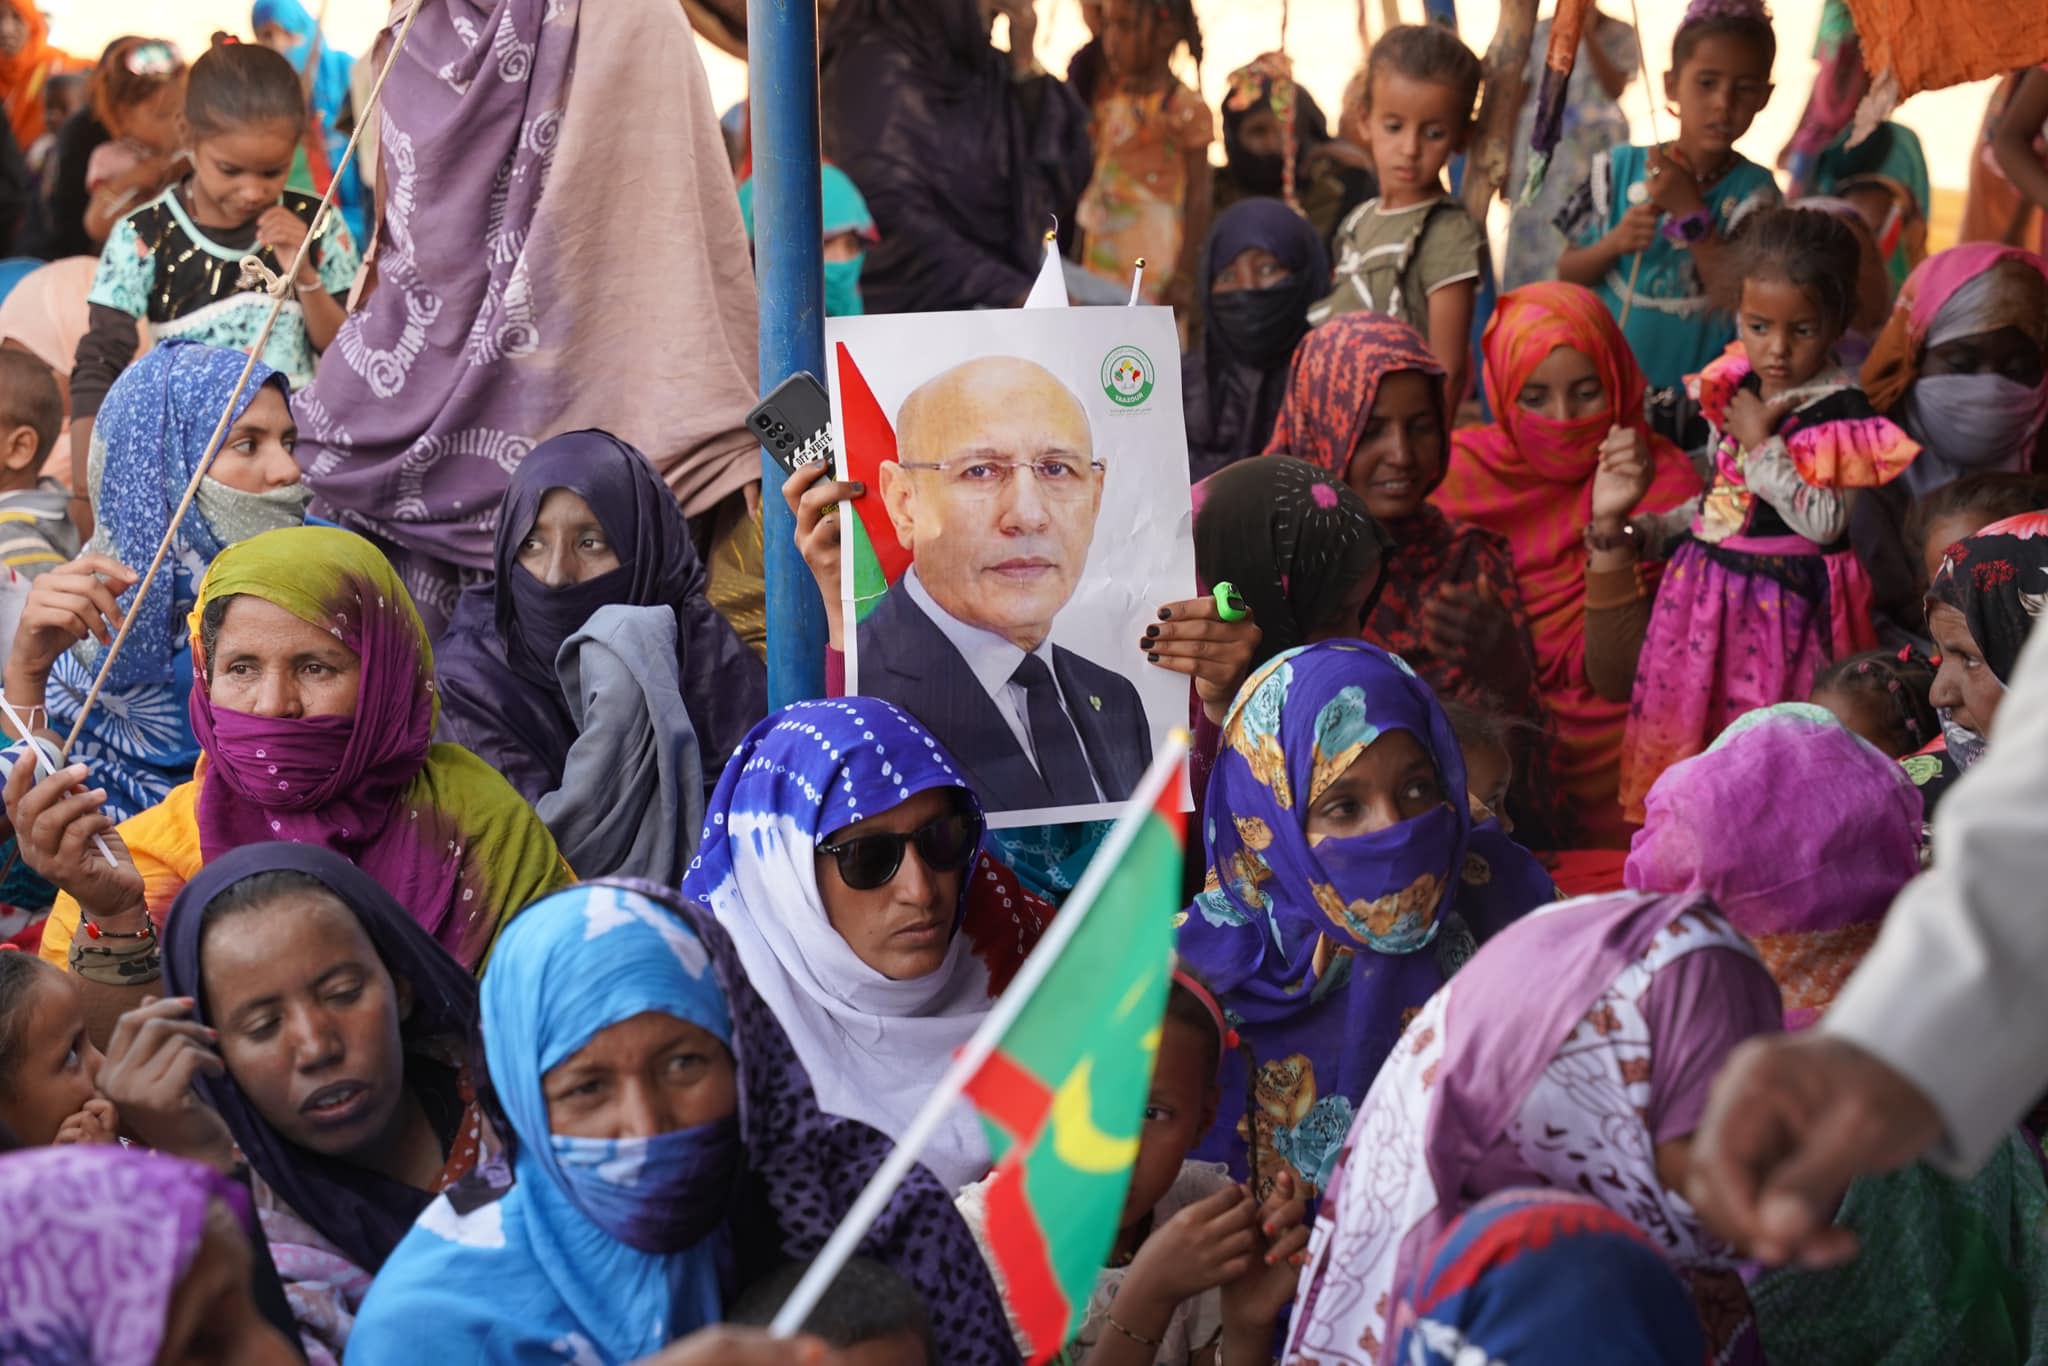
(1027, 512)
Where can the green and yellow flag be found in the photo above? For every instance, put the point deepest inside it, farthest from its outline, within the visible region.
(1062, 1094)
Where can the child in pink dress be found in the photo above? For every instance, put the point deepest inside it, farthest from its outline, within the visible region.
(1764, 592)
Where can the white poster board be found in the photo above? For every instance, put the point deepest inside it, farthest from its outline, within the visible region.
(1041, 484)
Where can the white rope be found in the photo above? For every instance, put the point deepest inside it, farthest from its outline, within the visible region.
(279, 287)
(1628, 300)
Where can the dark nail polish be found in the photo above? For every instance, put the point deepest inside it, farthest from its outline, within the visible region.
(1166, 614)
(1154, 658)
(1151, 632)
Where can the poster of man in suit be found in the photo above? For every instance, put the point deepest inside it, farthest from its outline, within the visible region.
(1026, 511)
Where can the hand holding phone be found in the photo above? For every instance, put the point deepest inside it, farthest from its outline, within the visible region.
(794, 423)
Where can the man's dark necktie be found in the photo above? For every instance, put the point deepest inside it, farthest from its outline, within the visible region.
(1060, 761)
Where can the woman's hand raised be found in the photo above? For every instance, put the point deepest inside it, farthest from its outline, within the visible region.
(158, 1050)
(54, 822)
(1623, 477)
(65, 605)
(814, 501)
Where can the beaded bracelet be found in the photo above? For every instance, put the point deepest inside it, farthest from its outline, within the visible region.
(93, 931)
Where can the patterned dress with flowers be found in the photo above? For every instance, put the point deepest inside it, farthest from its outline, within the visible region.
(1136, 205)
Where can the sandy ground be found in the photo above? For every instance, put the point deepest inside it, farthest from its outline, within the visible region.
(1323, 37)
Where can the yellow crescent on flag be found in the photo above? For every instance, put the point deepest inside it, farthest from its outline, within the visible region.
(1075, 1138)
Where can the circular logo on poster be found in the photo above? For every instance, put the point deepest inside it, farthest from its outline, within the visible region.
(1127, 376)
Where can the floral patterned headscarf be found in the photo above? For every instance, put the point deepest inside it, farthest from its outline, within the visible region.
(1320, 948)
(1998, 580)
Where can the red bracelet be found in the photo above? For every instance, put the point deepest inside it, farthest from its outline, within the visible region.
(93, 931)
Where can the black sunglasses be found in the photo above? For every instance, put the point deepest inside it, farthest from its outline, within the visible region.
(945, 843)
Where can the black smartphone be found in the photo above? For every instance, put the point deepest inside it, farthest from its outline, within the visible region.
(794, 423)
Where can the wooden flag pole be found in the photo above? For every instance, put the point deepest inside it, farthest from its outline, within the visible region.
(1500, 108)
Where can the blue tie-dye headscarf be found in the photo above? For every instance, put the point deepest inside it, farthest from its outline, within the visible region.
(1321, 951)
(150, 435)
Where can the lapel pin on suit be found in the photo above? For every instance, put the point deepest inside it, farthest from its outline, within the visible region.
(1095, 702)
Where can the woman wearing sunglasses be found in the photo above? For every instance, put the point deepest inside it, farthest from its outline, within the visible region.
(842, 853)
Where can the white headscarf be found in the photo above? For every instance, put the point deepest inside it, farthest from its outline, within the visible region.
(874, 1047)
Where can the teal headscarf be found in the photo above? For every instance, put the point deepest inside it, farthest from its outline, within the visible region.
(845, 211)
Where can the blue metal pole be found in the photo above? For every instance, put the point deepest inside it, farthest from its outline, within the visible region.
(782, 69)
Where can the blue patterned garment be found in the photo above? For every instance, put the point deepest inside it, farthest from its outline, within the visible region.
(151, 434)
(1529, 1277)
(1320, 954)
(530, 1273)
(1050, 859)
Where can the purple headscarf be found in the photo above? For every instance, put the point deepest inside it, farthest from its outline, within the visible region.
(501, 697)
(93, 1242)
(1808, 881)
(538, 271)
(1320, 950)
(361, 1212)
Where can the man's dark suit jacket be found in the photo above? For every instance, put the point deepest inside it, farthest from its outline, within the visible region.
(906, 659)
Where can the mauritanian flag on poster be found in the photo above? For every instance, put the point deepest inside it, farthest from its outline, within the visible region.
(1059, 1074)
(877, 556)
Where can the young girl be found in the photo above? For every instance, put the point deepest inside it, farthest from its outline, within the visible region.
(176, 262)
(1766, 591)
(1487, 738)
(138, 95)
(1414, 253)
(1675, 205)
(1883, 697)
(1151, 192)
(49, 1069)
(1955, 512)
(1200, 1271)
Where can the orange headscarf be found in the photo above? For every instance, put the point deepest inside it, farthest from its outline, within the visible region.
(1530, 479)
(23, 75)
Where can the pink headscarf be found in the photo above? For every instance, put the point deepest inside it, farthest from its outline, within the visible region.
(1807, 881)
(1895, 356)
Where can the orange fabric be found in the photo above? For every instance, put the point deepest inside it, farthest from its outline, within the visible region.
(164, 843)
(24, 75)
(1532, 482)
(1932, 44)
